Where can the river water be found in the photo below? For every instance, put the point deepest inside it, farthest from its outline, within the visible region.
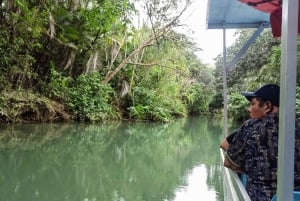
(142, 161)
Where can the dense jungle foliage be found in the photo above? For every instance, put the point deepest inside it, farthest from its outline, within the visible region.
(85, 60)
(88, 60)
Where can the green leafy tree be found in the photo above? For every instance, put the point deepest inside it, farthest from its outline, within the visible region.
(237, 107)
(92, 101)
(87, 59)
(243, 75)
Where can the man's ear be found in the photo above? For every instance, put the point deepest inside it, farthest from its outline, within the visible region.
(268, 107)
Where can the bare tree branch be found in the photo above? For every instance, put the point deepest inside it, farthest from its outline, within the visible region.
(144, 64)
(148, 42)
(152, 26)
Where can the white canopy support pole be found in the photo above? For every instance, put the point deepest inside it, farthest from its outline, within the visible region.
(225, 84)
(288, 72)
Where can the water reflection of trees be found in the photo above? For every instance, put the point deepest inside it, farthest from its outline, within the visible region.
(209, 138)
(129, 161)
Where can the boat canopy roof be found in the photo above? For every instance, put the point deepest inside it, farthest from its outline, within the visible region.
(233, 14)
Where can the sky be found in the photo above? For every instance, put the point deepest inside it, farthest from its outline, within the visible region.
(210, 41)
(196, 187)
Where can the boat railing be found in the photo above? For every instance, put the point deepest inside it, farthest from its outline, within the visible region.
(234, 189)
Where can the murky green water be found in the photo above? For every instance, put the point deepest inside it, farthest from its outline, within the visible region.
(178, 161)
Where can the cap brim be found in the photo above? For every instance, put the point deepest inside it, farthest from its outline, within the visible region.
(249, 95)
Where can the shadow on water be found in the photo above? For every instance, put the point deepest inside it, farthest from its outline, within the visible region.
(112, 161)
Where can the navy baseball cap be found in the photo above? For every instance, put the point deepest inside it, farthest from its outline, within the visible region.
(268, 92)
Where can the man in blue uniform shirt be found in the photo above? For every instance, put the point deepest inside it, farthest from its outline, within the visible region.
(254, 147)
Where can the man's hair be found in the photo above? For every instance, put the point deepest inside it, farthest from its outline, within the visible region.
(260, 101)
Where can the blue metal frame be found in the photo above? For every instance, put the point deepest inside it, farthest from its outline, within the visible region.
(244, 49)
